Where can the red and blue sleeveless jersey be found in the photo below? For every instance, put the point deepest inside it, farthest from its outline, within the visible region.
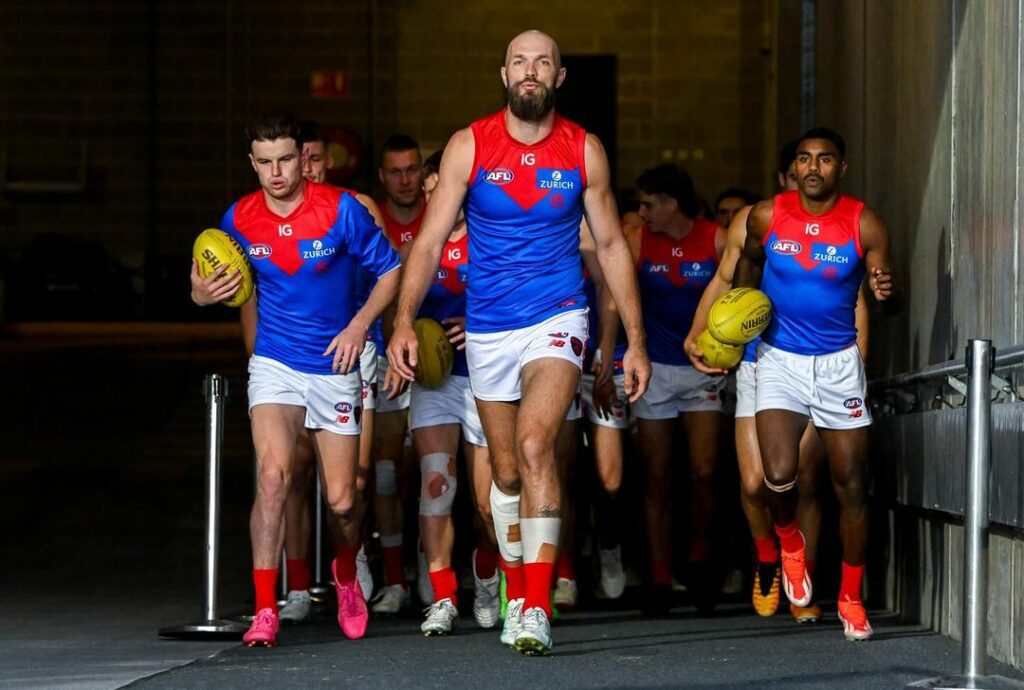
(400, 233)
(305, 268)
(590, 290)
(523, 209)
(447, 294)
(672, 275)
(813, 269)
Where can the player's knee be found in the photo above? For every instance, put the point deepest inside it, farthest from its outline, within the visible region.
(343, 506)
(438, 483)
(702, 475)
(779, 479)
(507, 481)
(273, 483)
(535, 451)
(386, 478)
(752, 486)
(362, 480)
(850, 489)
(611, 482)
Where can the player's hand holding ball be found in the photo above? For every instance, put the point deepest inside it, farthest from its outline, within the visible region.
(220, 270)
(456, 332)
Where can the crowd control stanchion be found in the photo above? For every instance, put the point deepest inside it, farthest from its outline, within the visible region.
(319, 590)
(980, 361)
(210, 625)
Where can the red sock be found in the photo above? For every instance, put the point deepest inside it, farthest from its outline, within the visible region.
(852, 576)
(346, 568)
(298, 574)
(264, 581)
(443, 581)
(661, 572)
(767, 550)
(790, 537)
(538, 585)
(698, 549)
(486, 562)
(394, 571)
(515, 583)
(566, 567)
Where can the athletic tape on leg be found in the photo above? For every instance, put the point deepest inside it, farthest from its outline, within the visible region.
(387, 479)
(438, 484)
(540, 539)
(781, 488)
(505, 513)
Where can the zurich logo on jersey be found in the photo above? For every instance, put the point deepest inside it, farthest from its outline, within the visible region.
(463, 272)
(499, 176)
(260, 251)
(550, 178)
(315, 249)
(829, 254)
(697, 270)
(786, 247)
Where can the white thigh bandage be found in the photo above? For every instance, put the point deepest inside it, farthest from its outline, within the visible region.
(387, 479)
(505, 513)
(438, 484)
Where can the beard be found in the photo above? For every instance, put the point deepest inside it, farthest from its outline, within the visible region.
(531, 107)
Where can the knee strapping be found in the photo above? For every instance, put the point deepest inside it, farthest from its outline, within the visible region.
(387, 478)
(779, 488)
(437, 490)
(505, 513)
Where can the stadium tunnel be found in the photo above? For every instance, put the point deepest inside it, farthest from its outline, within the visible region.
(93, 186)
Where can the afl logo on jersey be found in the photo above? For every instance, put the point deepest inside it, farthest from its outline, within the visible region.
(786, 247)
(852, 403)
(500, 176)
(442, 274)
(260, 251)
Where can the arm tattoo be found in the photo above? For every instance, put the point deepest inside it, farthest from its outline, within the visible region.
(549, 512)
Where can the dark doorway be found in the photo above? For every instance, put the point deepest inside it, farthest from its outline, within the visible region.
(589, 97)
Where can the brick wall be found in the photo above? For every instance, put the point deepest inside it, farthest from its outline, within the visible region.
(157, 94)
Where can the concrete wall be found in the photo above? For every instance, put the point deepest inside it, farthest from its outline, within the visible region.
(927, 93)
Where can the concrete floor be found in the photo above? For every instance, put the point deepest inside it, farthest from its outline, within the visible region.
(101, 474)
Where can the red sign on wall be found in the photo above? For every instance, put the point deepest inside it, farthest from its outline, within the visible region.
(328, 84)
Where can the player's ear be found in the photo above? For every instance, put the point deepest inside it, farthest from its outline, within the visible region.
(842, 170)
(560, 78)
(330, 159)
(253, 161)
(504, 76)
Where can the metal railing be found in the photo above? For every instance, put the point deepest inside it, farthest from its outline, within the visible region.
(979, 362)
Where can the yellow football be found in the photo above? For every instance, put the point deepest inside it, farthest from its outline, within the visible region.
(435, 354)
(739, 316)
(214, 248)
(719, 355)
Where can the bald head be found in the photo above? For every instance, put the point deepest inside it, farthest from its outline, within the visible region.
(533, 41)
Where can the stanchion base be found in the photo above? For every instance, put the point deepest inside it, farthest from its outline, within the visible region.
(319, 592)
(969, 683)
(206, 630)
